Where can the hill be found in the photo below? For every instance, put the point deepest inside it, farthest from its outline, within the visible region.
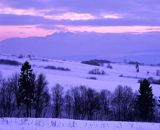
(143, 47)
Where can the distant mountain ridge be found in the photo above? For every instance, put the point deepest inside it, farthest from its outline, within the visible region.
(83, 46)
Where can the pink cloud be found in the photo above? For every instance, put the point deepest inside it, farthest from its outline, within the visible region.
(53, 15)
(22, 31)
(112, 29)
(28, 31)
(71, 16)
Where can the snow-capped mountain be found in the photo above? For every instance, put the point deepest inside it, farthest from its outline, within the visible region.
(79, 46)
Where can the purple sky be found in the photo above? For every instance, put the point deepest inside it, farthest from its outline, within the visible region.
(24, 18)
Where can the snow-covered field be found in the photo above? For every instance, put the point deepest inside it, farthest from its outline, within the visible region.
(67, 124)
(79, 73)
(79, 76)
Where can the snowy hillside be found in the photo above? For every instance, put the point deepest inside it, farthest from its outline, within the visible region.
(78, 73)
(66, 124)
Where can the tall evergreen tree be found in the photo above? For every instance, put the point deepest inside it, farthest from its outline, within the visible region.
(26, 88)
(145, 102)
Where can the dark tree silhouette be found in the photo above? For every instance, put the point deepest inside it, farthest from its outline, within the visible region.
(68, 104)
(42, 97)
(122, 103)
(8, 96)
(12, 87)
(79, 95)
(145, 102)
(93, 104)
(26, 88)
(104, 104)
(76, 102)
(57, 94)
(137, 68)
(159, 102)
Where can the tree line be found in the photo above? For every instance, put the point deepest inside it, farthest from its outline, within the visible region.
(27, 95)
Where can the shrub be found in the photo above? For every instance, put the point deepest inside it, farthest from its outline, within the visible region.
(135, 63)
(109, 66)
(93, 78)
(158, 73)
(21, 56)
(121, 75)
(9, 62)
(57, 68)
(50, 67)
(97, 72)
(95, 62)
(63, 69)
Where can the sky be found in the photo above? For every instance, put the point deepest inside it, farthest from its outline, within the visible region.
(25, 18)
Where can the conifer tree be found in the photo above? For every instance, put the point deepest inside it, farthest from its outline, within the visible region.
(145, 102)
(26, 88)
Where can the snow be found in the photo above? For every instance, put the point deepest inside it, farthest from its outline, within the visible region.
(69, 124)
(79, 73)
(76, 77)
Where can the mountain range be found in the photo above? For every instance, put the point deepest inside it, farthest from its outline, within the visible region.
(141, 47)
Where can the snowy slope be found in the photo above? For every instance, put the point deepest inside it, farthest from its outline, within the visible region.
(67, 124)
(79, 73)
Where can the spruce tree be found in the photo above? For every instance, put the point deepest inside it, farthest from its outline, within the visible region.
(145, 102)
(26, 88)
